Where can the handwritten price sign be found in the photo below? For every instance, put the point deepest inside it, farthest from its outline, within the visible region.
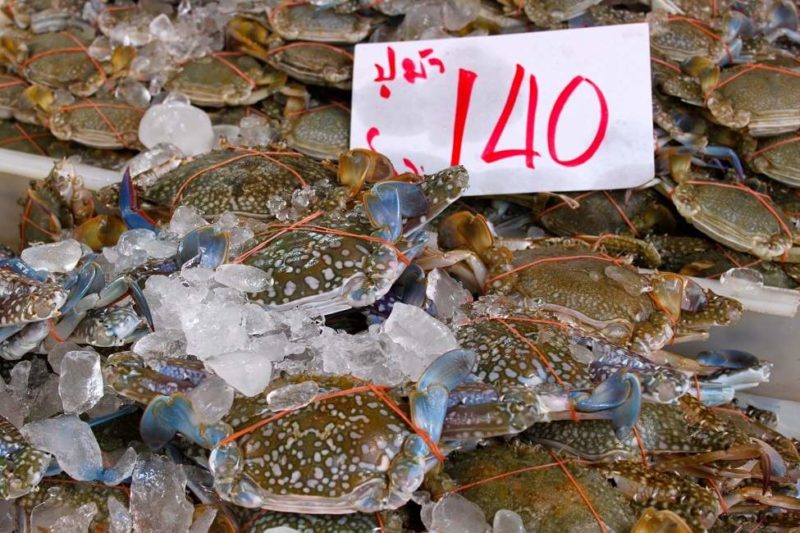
(551, 111)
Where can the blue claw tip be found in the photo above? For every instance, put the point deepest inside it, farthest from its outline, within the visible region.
(133, 217)
(449, 370)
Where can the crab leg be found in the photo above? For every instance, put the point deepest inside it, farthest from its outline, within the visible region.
(167, 415)
(132, 214)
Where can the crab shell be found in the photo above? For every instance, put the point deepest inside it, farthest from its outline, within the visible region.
(237, 180)
(322, 132)
(753, 97)
(595, 293)
(544, 498)
(778, 158)
(551, 13)
(23, 465)
(87, 122)
(347, 453)
(684, 427)
(735, 217)
(330, 272)
(24, 300)
(306, 22)
(226, 79)
(680, 38)
(312, 63)
(72, 70)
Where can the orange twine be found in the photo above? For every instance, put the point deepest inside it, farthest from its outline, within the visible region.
(377, 390)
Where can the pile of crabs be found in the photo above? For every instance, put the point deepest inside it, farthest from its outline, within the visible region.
(283, 334)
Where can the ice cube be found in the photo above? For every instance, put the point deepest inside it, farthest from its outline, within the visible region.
(81, 382)
(57, 352)
(72, 443)
(456, 513)
(158, 496)
(162, 29)
(197, 275)
(247, 372)
(134, 240)
(133, 92)
(293, 396)
(61, 256)
(53, 515)
(245, 278)
(185, 219)
(745, 279)
(214, 329)
(211, 399)
(418, 338)
(459, 13)
(257, 319)
(161, 343)
(506, 521)
(185, 126)
(160, 248)
(446, 294)
(119, 516)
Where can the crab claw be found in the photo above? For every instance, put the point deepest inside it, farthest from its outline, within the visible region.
(429, 400)
(89, 280)
(207, 246)
(622, 395)
(359, 166)
(126, 286)
(383, 210)
(132, 215)
(167, 415)
(23, 269)
(463, 230)
(728, 154)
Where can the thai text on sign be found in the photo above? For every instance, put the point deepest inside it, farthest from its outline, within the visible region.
(549, 111)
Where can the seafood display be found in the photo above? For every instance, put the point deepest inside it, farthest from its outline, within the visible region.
(260, 328)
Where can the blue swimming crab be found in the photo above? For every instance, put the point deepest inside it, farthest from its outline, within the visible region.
(23, 465)
(354, 446)
(582, 284)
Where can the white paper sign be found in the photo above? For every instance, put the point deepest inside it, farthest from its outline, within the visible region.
(549, 111)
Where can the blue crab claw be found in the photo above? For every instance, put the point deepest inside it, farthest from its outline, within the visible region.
(129, 209)
(734, 359)
(383, 210)
(727, 154)
(167, 415)
(621, 394)
(121, 287)
(413, 202)
(89, 280)
(8, 331)
(23, 269)
(412, 286)
(429, 401)
(206, 246)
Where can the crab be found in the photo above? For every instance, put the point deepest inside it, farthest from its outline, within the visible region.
(11, 89)
(374, 443)
(312, 63)
(351, 257)
(633, 212)
(63, 492)
(551, 13)
(322, 132)
(501, 476)
(57, 203)
(563, 276)
(23, 465)
(240, 180)
(701, 257)
(99, 122)
(777, 158)
(42, 16)
(306, 22)
(61, 61)
(24, 299)
(731, 213)
(518, 351)
(226, 79)
(680, 38)
(759, 97)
